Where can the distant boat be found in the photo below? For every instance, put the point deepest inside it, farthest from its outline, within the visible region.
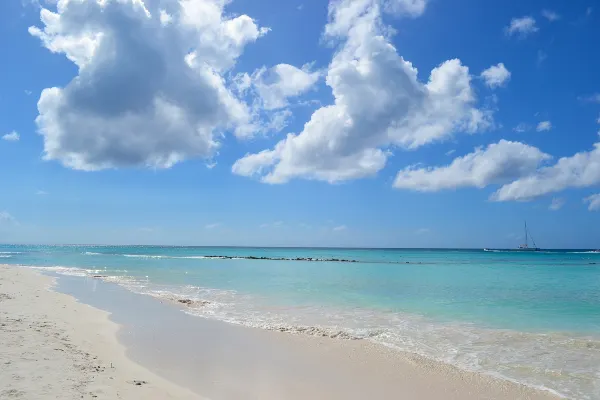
(525, 246)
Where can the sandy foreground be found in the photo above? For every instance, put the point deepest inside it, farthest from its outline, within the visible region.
(53, 347)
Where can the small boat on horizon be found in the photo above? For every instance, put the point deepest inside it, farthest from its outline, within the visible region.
(525, 246)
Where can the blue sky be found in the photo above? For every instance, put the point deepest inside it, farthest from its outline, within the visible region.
(392, 123)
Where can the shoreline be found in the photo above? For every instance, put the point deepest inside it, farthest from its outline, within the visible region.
(349, 366)
(52, 346)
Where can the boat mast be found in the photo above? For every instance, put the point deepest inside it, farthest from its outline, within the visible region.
(526, 240)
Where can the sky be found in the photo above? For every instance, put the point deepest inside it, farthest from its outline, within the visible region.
(353, 123)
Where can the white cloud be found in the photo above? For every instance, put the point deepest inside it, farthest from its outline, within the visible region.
(577, 171)
(340, 228)
(275, 85)
(213, 225)
(7, 219)
(522, 127)
(557, 203)
(593, 98)
(150, 90)
(413, 8)
(378, 103)
(450, 152)
(550, 15)
(28, 92)
(594, 202)
(11, 137)
(496, 75)
(544, 126)
(165, 18)
(41, 193)
(498, 163)
(521, 26)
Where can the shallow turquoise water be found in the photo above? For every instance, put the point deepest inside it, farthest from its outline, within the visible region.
(531, 317)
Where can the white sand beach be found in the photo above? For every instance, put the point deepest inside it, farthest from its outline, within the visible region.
(52, 346)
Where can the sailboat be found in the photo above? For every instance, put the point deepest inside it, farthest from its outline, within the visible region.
(525, 247)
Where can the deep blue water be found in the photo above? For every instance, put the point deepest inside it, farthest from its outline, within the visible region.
(531, 317)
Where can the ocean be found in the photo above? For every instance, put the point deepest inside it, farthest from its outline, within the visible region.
(532, 318)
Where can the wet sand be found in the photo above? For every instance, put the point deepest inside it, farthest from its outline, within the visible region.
(214, 359)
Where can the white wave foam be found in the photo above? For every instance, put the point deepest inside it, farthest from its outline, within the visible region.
(11, 252)
(537, 360)
(5, 256)
(70, 271)
(91, 253)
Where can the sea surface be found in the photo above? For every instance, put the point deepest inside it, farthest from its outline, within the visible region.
(532, 318)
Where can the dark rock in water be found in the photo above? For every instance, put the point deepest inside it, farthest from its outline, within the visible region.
(99, 276)
(189, 302)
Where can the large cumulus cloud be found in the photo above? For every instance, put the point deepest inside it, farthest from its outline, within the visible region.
(150, 89)
(379, 104)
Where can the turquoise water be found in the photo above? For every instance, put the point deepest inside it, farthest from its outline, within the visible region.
(529, 317)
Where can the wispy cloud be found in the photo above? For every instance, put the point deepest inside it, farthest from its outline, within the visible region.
(340, 228)
(11, 137)
(28, 92)
(271, 225)
(41, 193)
(544, 126)
(523, 27)
(7, 219)
(423, 231)
(522, 127)
(557, 203)
(550, 15)
(594, 202)
(213, 225)
(592, 98)
(450, 152)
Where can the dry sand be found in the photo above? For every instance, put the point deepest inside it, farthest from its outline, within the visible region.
(51, 347)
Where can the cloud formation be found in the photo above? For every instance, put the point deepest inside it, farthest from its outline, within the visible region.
(7, 219)
(522, 27)
(577, 171)
(496, 76)
(378, 104)
(556, 204)
(498, 163)
(593, 202)
(150, 89)
(275, 85)
(11, 137)
(550, 15)
(544, 126)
